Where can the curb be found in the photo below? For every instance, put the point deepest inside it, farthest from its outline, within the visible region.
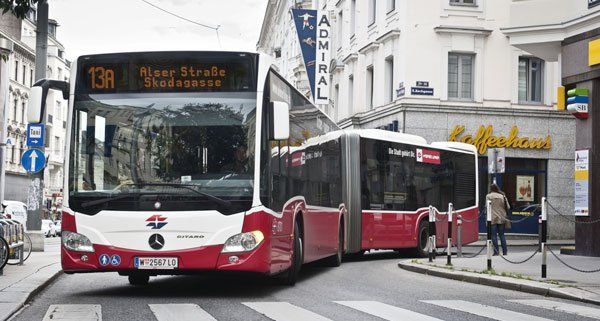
(12, 311)
(527, 286)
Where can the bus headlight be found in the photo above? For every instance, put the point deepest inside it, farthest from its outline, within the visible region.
(243, 242)
(76, 242)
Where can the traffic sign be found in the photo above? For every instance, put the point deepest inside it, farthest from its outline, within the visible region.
(35, 135)
(33, 160)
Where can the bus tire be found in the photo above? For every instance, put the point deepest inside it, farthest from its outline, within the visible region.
(336, 259)
(138, 279)
(290, 276)
(422, 237)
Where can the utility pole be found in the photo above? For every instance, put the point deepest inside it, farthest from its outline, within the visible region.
(35, 191)
(6, 48)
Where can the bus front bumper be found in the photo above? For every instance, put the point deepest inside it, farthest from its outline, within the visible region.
(207, 258)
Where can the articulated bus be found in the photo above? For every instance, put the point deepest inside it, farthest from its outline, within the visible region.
(170, 172)
(386, 182)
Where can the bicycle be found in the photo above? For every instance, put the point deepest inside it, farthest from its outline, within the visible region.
(4, 252)
(14, 259)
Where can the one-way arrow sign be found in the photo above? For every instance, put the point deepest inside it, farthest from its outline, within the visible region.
(33, 160)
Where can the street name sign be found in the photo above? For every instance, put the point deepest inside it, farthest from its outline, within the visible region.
(35, 135)
(33, 160)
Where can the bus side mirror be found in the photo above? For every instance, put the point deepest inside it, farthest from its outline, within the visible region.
(280, 125)
(37, 99)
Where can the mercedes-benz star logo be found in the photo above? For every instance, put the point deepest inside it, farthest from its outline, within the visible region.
(156, 241)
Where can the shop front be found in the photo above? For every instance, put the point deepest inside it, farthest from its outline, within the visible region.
(538, 145)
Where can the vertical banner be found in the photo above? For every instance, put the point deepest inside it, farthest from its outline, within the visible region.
(313, 29)
(582, 164)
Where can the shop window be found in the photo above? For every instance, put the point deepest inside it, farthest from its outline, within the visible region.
(531, 71)
(460, 76)
(472, 3)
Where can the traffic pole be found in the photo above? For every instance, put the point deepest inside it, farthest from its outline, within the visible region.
(431, 227)
(449, 249)
(459, 236)
(489, 234)
(544, 235)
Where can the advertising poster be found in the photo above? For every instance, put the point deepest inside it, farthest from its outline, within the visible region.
(525, 191)
(582, 163)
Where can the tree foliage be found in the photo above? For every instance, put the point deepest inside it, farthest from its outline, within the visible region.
(17, 7)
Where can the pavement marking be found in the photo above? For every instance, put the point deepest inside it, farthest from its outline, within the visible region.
(580, 310)
(180, 312)
(385, 311)
(484, 310)
(280, 311)
(73, 312)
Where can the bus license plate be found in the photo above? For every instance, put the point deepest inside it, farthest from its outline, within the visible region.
(159, 263)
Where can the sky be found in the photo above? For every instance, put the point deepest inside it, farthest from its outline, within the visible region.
(102, 26)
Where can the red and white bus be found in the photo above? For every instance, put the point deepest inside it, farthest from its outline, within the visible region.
(170, 167)
(389, 180)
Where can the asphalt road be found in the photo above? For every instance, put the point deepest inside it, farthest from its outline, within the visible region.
(373, 284)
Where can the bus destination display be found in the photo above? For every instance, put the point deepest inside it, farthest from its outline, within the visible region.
(151, 77)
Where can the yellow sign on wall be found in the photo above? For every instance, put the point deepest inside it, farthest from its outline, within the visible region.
(594, 52)
(485, 138)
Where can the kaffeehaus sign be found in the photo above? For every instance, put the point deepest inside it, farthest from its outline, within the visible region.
(485, 138)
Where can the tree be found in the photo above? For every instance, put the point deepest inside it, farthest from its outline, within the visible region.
(17, 7)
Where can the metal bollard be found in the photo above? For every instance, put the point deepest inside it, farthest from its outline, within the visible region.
(449, 249)
(489, 234)
(431, 232)
(459, 236)
(544, 235)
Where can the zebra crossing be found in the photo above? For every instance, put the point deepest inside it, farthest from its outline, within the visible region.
(285, 311)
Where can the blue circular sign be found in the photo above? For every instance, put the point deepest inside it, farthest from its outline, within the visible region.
(115, 260)
(104, 259)
(33, 160)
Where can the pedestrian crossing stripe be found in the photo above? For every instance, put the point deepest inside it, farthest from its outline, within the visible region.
(385, 311)
(279, 311)
(485, 310)
(583, 311)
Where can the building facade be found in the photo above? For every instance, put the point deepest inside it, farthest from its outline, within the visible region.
(22, 77)
(569, 32)
(444, 70)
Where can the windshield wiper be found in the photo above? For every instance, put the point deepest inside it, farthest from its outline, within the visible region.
(191, 187)
(104, 200)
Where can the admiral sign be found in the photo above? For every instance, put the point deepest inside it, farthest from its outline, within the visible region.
(313, 29)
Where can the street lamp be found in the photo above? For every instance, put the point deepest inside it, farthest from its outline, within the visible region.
(6, 49)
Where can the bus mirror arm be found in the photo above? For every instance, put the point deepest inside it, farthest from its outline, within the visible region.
(39, 93)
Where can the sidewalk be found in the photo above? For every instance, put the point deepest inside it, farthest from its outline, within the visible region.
(561, 281)
(19, 283)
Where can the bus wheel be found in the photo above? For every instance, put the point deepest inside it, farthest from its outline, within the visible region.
(336, 260)
(138, 279)
(290, 276)
(422, 238)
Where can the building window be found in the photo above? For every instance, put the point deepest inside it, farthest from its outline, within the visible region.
(372, 11)
(353, 17)
(24, 74)
(16, 70)
(30, 77)
(463, 2)
(460, 76)
(389, 79)
(350, 94)
(340, 36)
(336, 103)
(50, 119)
(391, 5)
(370, 87)
(15, 111)
(23, 109)
(61, 53)
(57, 147)
(531, 75)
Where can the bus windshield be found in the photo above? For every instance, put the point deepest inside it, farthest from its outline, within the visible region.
(129, 151)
